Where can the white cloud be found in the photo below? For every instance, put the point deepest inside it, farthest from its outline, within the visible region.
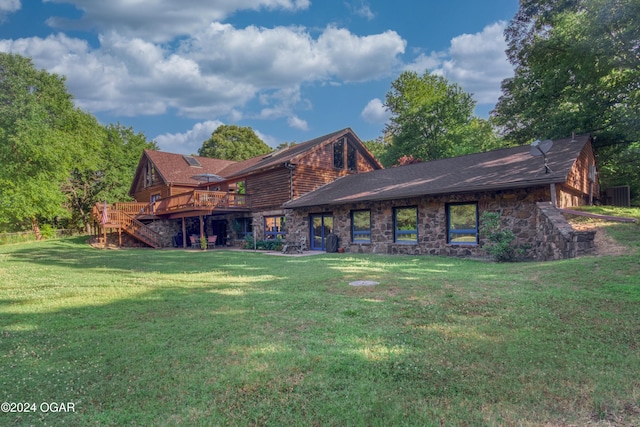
(286, 55)
(431, 62)
(354, 58)
(375, 112)
(297, 123)
(271, 141)
(190, 141)
(214, 73)
(161, 20)
(7, 7)
(477, 62)
(362, 9)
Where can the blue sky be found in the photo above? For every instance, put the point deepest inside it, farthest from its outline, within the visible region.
(291, 69)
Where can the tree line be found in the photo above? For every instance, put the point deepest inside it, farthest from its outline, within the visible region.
(57, 161)
(577, 70)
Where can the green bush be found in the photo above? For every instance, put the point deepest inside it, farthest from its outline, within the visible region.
(500, 241)
(47, 231)
(268, 245)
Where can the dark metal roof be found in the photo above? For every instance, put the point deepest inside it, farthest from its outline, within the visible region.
(506, 168)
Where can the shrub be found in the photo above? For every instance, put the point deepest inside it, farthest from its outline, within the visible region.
(500, 241)
(268, 245)
(47, 231)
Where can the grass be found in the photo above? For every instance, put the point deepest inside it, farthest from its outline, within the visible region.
(149, 337)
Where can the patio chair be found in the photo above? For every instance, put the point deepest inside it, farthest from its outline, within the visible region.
(211, 241)
(194, 241)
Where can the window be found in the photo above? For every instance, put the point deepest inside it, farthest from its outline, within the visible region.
(191, 161)
(405, 223)
(352, 158)
(237, 193)
(274, 227)
(338, 154)
(150, 175)
(243, 227)
(462, 223)
(361, 226)
(154, 199)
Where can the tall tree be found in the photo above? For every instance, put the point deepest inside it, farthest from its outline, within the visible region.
(577, 70)
(230, 142)
(37, 144)
(429, 116)
(105, 173)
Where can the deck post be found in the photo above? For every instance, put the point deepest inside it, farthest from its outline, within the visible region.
(184, 235)
(201, 227)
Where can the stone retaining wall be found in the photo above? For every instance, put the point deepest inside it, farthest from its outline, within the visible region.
(556, 238)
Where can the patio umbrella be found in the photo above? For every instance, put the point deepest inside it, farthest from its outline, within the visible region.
(208, 177)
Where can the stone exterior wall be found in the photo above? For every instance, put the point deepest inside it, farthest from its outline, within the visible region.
(517, 209)
(166, 229)
(556, 239)
(519, 212)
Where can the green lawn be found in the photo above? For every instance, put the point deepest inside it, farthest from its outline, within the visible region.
(162, 337)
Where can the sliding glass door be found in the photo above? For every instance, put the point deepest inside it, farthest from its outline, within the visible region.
(321, 227)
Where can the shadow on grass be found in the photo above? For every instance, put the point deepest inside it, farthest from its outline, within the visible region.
(74, 253)
(212, 338)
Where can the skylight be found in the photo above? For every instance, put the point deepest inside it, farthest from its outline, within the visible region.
(192, 161)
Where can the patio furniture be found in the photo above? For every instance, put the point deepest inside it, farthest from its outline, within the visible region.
(211, 241)
(194, 241)
(298, 247)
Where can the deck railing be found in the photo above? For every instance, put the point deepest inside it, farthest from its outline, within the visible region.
(201, 199)
(122, 215)
(133, 208)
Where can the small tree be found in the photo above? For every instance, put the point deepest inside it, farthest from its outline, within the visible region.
(500, 241)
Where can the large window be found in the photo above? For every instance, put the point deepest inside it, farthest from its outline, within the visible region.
(352, 158)
(338, 154)
(405, 224)
(361, 226)
(274, 227)
(462, 223)
(150, 175)
(243, 227)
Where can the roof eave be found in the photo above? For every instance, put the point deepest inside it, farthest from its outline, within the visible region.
(506, 186)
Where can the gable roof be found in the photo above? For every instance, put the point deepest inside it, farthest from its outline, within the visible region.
(174, 168)
(506, 168)
(291, 155)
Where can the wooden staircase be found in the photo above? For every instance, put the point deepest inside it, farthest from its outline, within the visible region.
(123, 216)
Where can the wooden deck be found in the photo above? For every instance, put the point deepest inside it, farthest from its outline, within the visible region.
(127, 216)
(200, 203)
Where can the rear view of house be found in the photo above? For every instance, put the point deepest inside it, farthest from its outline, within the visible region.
(333, 186)
(178, 196)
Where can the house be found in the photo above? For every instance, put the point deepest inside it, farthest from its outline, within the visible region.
(434, 207)
(332, 185)
(178, 196)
